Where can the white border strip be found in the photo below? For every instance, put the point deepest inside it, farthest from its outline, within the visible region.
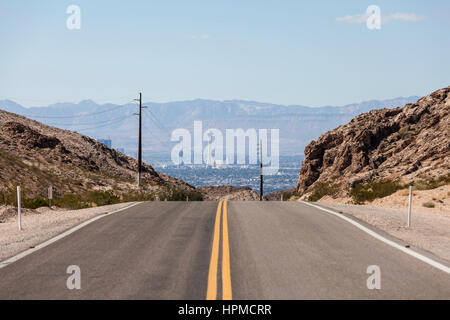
(416, 255)
(60, 236)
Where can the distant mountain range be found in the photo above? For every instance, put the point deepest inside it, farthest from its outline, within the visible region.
(298, 124)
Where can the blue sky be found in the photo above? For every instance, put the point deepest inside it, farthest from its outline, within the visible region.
(286, 52)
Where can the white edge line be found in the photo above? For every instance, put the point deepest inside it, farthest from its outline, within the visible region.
(416, 255)
(60, 236)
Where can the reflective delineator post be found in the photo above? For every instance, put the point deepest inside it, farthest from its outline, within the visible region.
(18, 208)
(410, 205)
(50, 196)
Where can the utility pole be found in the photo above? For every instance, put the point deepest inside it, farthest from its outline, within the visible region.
(260, 172)
(140, 140)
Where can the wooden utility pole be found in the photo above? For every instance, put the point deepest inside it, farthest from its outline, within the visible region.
(260, 172)
(140, 140)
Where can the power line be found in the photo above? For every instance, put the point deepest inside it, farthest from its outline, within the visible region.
(162, 143)
(118, 121)
(156, 122)
(74, 116)
(101, 99)
(83, 123)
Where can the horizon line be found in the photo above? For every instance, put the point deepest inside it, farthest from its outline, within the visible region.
(14, 100)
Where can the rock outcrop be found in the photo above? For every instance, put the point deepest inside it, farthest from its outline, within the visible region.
(400, 144)
(231, 193)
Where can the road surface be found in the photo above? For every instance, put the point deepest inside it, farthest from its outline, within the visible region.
(211, 250)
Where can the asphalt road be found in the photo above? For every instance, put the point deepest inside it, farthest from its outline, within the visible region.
(234, 250)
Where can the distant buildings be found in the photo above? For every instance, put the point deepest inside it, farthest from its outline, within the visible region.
(106, 142)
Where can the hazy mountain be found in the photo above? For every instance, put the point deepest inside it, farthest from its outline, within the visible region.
(298, 124)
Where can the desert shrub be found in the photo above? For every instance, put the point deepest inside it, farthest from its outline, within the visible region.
(405, 132)
(370, 191)
(35, 203)
(172, 194)
(388, 147)
(195, 196)
(71, 201)
(289, 194)
(321, 189)
(433, 183)
(102, 198)
(9, 196)
(169, 194)
(81, 201)
(138, 196)
(8, 159)
(428, 204)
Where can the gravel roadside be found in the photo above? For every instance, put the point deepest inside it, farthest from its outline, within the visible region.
(429, 230)
(43, 225)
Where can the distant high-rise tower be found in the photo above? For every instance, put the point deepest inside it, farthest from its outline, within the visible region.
(106, 142)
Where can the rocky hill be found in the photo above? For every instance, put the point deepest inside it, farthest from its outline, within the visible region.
(400, 144)
(37, 156)
(216, 193)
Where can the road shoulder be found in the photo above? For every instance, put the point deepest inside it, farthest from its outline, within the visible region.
(39, 228)
(426, 236)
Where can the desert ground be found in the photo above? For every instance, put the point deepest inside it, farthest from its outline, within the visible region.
(430, 227)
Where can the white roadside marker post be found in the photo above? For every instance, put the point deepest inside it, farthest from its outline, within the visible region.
(18, 208)
(281, 197)
(50, 196)
(410, 205)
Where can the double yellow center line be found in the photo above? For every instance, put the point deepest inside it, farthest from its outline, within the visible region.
(211, 293)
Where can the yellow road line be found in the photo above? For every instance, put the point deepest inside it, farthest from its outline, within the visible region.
(226, 274)
(211, 293)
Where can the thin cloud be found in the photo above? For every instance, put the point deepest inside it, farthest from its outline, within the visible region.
(408, 17)
(362, 18)
(356, 19)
